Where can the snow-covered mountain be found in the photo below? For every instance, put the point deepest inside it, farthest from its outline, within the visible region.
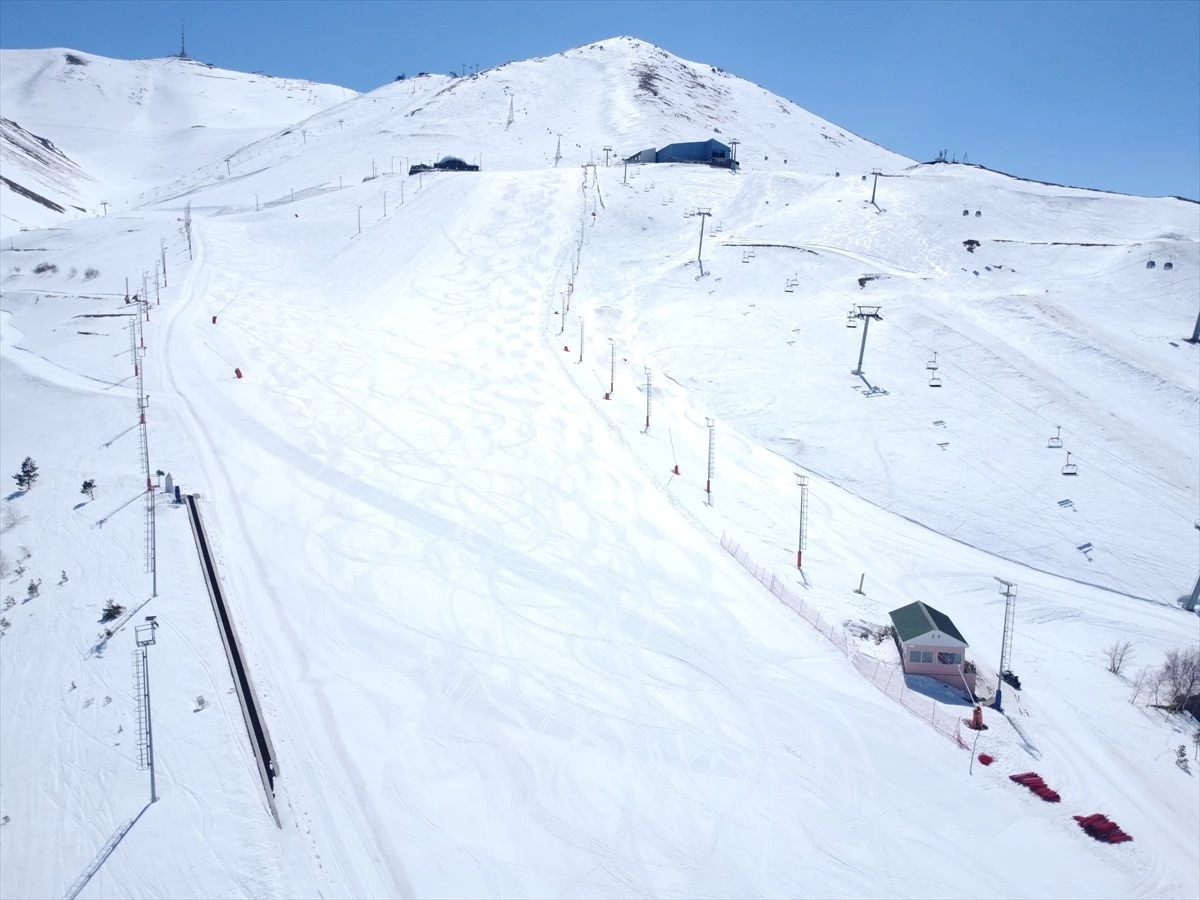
(457, 497)
(81, 129)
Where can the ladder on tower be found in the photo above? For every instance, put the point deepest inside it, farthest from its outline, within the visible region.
(143, 710)
(1010, 613)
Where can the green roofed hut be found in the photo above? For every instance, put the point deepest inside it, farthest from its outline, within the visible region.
(930, 644)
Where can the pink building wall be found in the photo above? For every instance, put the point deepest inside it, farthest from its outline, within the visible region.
(953, 675)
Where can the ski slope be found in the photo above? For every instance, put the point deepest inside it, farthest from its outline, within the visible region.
(499, 646)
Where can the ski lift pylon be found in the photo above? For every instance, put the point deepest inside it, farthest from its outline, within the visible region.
(1070, 468)
(1055, 443)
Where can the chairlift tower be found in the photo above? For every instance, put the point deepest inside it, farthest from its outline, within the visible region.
(703, 214)
(558, 152)
(1009, 591)
(875, 184)
(866, 313)
(607, 151)
(508, 124)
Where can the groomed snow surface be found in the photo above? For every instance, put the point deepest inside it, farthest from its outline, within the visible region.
(499, 647)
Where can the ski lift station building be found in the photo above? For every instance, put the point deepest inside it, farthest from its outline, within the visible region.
(711, 152)
(930, 644)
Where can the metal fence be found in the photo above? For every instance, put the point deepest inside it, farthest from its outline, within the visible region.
(885, 676)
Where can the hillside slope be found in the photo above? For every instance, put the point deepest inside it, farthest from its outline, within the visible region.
(127, 124)
(506, 639)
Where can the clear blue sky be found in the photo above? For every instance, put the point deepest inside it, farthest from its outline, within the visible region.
(1096, 94)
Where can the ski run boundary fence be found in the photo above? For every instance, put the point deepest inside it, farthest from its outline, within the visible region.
(888, 678)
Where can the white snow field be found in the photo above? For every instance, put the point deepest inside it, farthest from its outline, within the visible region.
(499, 646)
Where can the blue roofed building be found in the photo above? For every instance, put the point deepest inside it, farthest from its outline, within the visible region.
(711, 152)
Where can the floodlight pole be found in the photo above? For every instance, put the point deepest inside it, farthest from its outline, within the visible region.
(1194, 597)
(612, 369)
(144, 635)
(711, 450)
(802, 543)
(647, 368)
(866, 313)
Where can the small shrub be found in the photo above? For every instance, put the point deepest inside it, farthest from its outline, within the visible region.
(971, 245)
(5, 566)
(33, 590)
(1118, 654)
(112, 610)
(89, 488)
(43, 267)
(90, 272)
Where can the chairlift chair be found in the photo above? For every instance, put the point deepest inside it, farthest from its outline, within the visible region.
(851, 319)
(1070, 468)
(787, 287)
(934, 381)
(745, 257)
(1168, 266)
(932, 364)
(1055, 443)
(1149, 264)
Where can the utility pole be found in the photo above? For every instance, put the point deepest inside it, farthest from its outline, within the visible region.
(162, 247)
(874, 183)
(1009, 591)
(802, 543)
(866, 313)
(703, 214)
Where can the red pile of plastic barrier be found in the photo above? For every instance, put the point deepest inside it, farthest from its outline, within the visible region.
(1033, 781)
(986, 758)
(1101, 828)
